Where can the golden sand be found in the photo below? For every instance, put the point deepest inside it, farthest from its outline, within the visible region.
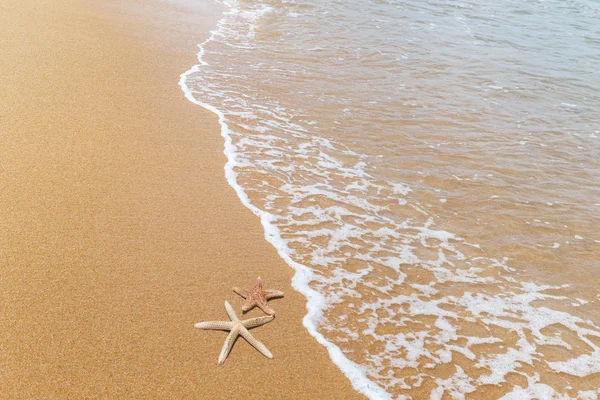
(118, 230)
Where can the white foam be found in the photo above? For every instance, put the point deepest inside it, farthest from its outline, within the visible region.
(584, 365)
(534, 390)
(401, 188)
(588, 394)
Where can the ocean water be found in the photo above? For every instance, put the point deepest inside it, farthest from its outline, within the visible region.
(431, 170)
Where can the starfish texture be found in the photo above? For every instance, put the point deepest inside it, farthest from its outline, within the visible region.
(236, 328)
(258, 297)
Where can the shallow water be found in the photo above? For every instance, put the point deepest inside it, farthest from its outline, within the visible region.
(431, 171)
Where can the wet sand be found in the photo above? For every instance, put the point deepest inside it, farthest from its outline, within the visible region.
(118, 229)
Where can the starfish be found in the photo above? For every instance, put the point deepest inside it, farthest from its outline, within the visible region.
(237, 328)
(257, 297)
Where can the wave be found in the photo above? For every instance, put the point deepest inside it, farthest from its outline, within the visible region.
(303, 275)
(382, 284)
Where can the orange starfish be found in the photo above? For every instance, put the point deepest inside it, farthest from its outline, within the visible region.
(258, 297)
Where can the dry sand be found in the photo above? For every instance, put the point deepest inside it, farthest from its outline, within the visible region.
(118, 230)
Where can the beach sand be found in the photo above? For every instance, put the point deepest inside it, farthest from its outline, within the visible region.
(118, 230)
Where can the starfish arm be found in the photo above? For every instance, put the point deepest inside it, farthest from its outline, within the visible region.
(266, 309)
(231, 312)
(254, 322)
(248, 305)
(243, 293)
(228, 345)
(215, 325)
(255, 343)
(273, 294)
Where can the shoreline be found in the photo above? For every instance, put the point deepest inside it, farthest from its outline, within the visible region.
(115, 239)
(303, 275)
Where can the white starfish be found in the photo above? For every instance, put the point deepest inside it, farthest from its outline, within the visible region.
(237, 328)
